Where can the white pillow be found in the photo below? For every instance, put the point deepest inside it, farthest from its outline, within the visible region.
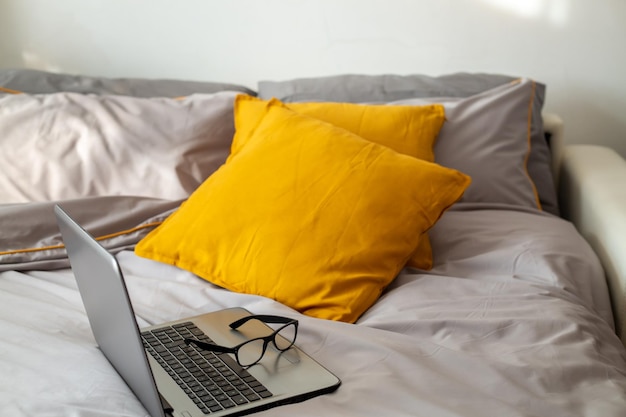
(67, 145)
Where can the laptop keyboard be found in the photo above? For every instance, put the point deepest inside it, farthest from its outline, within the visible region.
(212, 380)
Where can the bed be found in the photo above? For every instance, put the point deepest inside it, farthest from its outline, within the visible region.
(518, 311)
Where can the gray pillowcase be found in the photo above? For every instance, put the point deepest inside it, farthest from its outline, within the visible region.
(64, 146)
(391, 88)
(42, 82)
(355, 88)
(488, 137)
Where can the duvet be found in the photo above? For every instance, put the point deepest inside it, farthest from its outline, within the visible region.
(511, 321)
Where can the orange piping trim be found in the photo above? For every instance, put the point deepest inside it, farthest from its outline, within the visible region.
(530, 119)
(8, 90)
(109, 236)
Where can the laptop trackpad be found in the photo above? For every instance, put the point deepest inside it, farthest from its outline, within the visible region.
(288, 357)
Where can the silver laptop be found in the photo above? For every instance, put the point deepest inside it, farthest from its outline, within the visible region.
(193, 366)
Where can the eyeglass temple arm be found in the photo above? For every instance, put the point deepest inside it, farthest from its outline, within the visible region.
(209, 346)
(261, 317)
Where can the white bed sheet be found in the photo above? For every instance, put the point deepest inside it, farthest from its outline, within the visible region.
(510, 322)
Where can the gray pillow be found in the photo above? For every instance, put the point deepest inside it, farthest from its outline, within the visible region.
(355, 88)
(489, 137)
(390, 88)
(64, 146)
(42, 82)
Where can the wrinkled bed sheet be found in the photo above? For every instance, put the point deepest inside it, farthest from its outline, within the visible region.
(513, 320)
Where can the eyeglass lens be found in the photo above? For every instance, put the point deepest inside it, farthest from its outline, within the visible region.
(285, 337)
(252, 351)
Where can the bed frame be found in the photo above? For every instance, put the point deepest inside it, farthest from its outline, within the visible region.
(590, 182)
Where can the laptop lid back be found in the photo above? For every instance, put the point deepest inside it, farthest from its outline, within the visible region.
(102, 288)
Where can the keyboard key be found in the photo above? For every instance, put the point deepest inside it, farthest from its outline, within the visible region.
(238, 399)
(264, 394)
(227, 404)
(252, 397)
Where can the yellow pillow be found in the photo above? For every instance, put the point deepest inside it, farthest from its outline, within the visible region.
(410, 130)
(307, 214)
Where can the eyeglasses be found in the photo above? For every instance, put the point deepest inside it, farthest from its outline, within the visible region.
(251, 351)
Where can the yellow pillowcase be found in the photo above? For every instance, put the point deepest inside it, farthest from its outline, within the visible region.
(410, 130)
(307, 214)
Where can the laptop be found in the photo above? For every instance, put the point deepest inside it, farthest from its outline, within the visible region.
(170, 375)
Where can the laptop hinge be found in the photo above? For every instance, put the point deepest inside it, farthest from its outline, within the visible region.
(167, 408)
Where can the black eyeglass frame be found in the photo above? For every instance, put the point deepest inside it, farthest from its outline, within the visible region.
(266, 339)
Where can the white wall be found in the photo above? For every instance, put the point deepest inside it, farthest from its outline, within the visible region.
(576, 47)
